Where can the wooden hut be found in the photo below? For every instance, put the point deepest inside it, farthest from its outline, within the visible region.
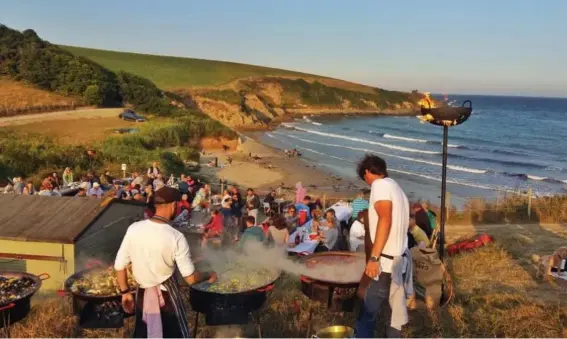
(58, 235)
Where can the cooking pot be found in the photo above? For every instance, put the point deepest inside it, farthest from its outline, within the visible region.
(336, 331)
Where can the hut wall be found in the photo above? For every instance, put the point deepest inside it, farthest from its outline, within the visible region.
(102, 239)
(59, 271)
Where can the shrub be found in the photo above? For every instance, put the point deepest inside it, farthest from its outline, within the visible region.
(92, 95)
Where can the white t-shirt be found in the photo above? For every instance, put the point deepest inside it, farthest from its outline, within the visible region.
(154, 249)
(397, 243)
(356, 231)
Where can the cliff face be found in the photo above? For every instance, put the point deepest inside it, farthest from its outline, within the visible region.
(254, 103)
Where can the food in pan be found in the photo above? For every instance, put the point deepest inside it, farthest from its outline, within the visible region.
(14, 288)
(239, 277)
(100, 282)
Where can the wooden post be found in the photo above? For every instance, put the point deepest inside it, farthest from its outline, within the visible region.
(222, 186)
(324, 201)
(448, 206)
(530, 203)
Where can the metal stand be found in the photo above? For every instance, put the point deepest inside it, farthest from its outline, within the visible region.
(5, 310)
(443, 194)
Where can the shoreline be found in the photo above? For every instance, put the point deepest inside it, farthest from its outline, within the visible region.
(273, 169)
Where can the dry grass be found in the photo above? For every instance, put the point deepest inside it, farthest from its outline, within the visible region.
(495, 296)
(70, 127)
(512, 209)
(76, 131)
(19, 98)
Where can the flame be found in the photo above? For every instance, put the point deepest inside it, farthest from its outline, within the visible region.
(426, 101)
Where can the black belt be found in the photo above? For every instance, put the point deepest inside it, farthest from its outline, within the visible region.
(390, 257)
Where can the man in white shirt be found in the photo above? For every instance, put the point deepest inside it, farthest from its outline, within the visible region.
(154, 249)
(388, 217)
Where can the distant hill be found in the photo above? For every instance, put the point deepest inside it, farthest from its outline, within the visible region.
(175, 72)
(248, 96)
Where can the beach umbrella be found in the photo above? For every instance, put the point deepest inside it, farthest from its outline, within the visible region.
(444, 116)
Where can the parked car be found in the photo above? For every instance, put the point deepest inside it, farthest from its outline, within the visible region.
(130, 115)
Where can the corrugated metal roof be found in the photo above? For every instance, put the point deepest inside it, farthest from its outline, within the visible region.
(46, 219)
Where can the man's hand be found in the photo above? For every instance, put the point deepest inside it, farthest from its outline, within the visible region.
(372, 269)
(212, 277)
(128, 303)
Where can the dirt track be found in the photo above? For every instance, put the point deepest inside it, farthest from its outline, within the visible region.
(61, 115)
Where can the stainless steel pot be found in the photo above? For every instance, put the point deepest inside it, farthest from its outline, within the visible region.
(336, 331)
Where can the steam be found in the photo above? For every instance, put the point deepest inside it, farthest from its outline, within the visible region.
(256, 255)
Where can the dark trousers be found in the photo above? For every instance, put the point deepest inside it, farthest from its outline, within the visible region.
(377, 293)
(169, 321)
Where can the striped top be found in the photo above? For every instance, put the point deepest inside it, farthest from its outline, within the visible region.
(358, 205)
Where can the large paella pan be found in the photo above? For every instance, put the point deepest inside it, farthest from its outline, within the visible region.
(16, 290)
(97, 283)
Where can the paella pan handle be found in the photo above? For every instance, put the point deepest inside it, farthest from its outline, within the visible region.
(93, 263)
(7, 307)
(63, 293)
(44, 276)
(266, 289)
(469, 102)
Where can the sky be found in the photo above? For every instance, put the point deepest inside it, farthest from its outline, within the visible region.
(510, 47)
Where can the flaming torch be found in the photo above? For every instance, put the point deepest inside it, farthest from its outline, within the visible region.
(445, 116)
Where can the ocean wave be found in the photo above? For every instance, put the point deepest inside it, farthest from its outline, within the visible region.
(450, 181)
(389, 136)
(526, 176)
(311, 121)
(344, 137)
(287, 125)
(499, 161)
(453, 167)
(421, 141)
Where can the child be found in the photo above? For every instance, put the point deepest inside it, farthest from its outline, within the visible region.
(213, 229)
(252, 232)
(418, 234)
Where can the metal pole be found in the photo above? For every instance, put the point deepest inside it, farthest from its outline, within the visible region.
(443, 193)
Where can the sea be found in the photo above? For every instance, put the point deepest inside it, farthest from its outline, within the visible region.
(508, 145)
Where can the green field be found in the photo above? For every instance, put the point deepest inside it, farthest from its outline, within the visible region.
(175, 72)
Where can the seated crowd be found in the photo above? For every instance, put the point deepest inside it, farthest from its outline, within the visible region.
(232, 214)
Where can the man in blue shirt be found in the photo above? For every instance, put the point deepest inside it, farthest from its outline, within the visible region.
(359, 204)
(304, 206)
(252, 233)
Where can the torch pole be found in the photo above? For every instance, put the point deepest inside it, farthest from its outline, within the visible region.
(443, 194)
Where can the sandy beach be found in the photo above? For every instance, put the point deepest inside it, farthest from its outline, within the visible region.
(273, 170)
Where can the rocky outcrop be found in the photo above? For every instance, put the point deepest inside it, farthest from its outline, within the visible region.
(264, 100)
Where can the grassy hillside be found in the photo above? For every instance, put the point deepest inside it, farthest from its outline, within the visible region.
(176, 72)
